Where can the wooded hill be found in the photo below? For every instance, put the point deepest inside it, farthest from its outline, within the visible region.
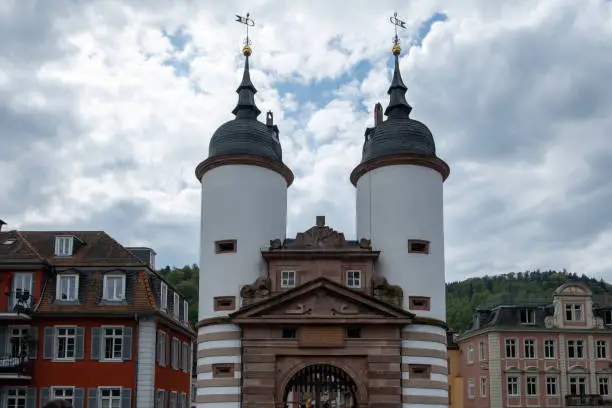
(462, 298)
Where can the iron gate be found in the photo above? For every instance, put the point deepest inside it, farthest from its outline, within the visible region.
(321, 386)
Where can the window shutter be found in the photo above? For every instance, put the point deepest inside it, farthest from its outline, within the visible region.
(167, 359)
(33, 346)
(92, 398)
(96, 345)
(127, 343)
(48, 347)
(31, 398)
(45, 396)
(126, 398)
(79, 394)
(173, 356)
(165, 399)
(157, 346)
(3, 339)
(79, 352)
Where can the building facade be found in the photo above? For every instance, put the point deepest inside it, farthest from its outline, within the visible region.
(455, 378)
(85, 319)
(539, 356)
(320, 319)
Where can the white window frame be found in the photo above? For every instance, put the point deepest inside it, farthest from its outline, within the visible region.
(529, 316)
(483, 386)
(176, 305)
(164, 296)
(356, 277)
(576, 312)
(531, 345)
(21, 394)
(64, 246)
(63, 388)
(533, 383)
(105, 288)
(114, 336)
(603, 384)
(470, 354)
(601, 349)
(550, 350)
(512, 344)
(185, 311)
(576, 381)
(21, 276)
(23, 330)
(56, 338)
(58, 288)
(101, 397)
(481, 351)
(552, 381)
(286, 280)
(516, 382)
(471, 388)
(576, 345)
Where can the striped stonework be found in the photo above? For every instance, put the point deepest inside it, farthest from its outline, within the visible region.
(219, 345)
(424, 346)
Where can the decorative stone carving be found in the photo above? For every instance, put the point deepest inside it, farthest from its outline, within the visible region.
(318, 237)
(382, 290)
(258, 290)
(345, 310)
(276, 244)
(300, 309)
(549, 322)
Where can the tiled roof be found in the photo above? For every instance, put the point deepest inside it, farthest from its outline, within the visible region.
(14, 248)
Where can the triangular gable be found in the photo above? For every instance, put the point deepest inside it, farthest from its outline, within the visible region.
(321, 299)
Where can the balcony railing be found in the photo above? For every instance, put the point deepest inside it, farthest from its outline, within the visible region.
(586, 400)
(17, 366)
(19, 302)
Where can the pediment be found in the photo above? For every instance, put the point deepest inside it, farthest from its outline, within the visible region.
(322, 299)
(573, 289)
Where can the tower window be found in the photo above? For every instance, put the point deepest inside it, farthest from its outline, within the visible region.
(225, 247)
(353, 279)
(418, 246)
(353, 333)
(223, 370)
(289, 333)
(419, 371)
(287, 279)
(418, 303)
(224, 303)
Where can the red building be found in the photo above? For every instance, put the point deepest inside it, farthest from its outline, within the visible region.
(85, 319)
(539, 356)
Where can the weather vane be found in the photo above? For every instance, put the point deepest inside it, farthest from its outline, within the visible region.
(396, 23)
(248, 22)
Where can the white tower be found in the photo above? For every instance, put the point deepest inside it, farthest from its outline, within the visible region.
(244, 206)
(400, 208)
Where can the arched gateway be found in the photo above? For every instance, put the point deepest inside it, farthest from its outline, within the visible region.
(321, 385)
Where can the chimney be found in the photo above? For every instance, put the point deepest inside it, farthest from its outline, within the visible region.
(320, 220)
(2, 223)
(378, 114)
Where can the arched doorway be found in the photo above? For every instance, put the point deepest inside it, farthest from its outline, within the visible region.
(320, 386)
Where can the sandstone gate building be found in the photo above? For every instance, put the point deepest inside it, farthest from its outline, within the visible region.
(320, 318)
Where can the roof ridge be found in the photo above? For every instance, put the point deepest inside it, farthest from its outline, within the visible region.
(30, 246)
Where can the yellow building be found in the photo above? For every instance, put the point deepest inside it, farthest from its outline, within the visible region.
(455, 380)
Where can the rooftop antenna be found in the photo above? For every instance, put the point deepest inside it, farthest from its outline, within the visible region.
(396, 42)
(248, 22)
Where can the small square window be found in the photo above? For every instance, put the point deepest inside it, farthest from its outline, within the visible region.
(419, 371)
(353, 332)
(224, 303)
(289, 333)
(287, 279)
(418, 246)
(418, 303)
(226, 246)
(353, 279)
(223, 370)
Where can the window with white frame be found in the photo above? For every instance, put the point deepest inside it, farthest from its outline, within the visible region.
(185, 311)
(65, 343)
(471, 388)
(173, 398)
(114, 287)
(159, 399)
(528, 316)
(176, 306)
(110, 397)
(483, 386)
(16, 398)
(470, 354)
(17, 347)
(67, 287)
(551, 386)
(531, 386)
(64, 393)
(512, 385)
(353, 279)
(64, 246)
(113, 343)
(578, 385)
(602, 349)
(575, 349)
(530, 348)
(481, 351)
(21, 289)
(549, 348)
(164, 296)
(573, 312)
(287, 279)
(510, 348)
(604, 387)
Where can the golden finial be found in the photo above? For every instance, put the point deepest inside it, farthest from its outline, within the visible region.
(248, 22)
(396, 43)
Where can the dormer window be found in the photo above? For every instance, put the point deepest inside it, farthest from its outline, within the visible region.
(114, 287)
(176, 306)
(573, 312)
(527, 316)
(287, 279)
(353, 279)
(64, 245)
(164, 296)
(67, 287)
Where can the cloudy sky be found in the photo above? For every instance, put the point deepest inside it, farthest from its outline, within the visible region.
(106, 107)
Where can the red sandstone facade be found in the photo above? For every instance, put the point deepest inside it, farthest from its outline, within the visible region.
(84, 319)
(539, 356)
